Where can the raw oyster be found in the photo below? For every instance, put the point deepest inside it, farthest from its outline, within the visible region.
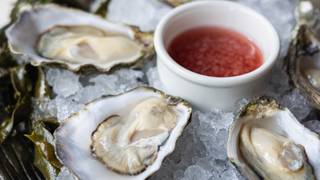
(78, 44)
(303, 57)
(267, 141)
(72, 38)
(129, 144)
(117, 136)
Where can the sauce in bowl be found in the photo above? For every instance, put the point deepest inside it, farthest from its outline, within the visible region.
(215, 51)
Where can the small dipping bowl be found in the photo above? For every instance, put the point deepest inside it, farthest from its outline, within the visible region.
(206, 92)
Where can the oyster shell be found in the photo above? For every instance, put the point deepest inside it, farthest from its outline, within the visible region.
(267, 141)
(72, 38)
(303, 57)
(117, 136)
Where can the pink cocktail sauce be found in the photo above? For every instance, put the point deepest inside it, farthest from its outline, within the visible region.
(215, 51)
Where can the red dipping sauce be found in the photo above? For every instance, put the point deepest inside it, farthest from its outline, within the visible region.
(215, 51)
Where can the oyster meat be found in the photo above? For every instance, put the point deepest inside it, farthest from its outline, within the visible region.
(267, 141)
(73, 38)
(84, 44)
(272, 155)
(129, 144)
(117, 136)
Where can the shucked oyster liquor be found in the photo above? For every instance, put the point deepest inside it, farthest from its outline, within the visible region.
(122, 137)
(72, 38)
(267, 141)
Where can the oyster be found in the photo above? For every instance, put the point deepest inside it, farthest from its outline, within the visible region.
(129, 144)
(72, 38)
(117, 136)
(267, 141)
(303, 57)
(79, 44)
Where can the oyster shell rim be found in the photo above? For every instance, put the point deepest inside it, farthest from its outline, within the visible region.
(171, 99)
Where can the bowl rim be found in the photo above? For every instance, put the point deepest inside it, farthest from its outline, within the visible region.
(210, 80)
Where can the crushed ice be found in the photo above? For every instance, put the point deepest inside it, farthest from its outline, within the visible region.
(71, 94)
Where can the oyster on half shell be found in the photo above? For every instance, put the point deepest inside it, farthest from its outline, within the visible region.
(267, 141)
(129, 144)
(116, 136)
(303, 57)
(73, 38)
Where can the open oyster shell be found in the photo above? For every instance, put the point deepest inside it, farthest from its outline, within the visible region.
(303, 57)
(267, 141)
(93, 143)
(304, 64)
(76, 39)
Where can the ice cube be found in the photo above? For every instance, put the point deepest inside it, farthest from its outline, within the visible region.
(64, 83)
(43, 109)
(65, 174)
(195, 172)
(66, 107)
(143, 13)
(153, 78)
(90, 93)
(112, 84)
(297, 104)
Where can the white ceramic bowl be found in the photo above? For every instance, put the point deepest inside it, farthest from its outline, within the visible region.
(206, 92)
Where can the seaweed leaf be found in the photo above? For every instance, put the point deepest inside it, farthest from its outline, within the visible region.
(5, 128)
(17, 87)
(23, 83)
(21, 108)
(102, 9)
(7, 107)
(45, 159)
(41, 89)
